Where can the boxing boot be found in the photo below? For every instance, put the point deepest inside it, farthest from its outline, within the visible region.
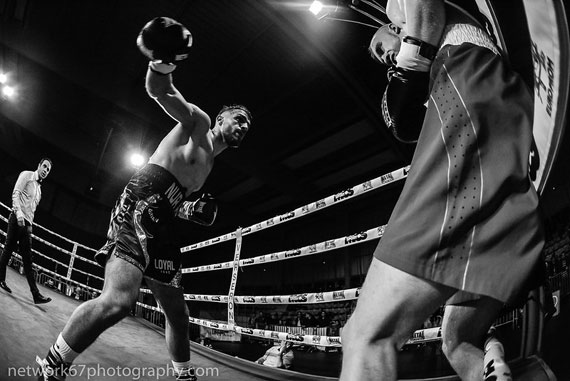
(50, 371)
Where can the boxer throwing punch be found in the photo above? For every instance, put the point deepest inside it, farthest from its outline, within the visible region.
(139, 242)
(465, 230)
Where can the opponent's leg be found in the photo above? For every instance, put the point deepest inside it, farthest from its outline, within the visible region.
(90, 319)
(392, 305)
(171, 299)
(464, 330)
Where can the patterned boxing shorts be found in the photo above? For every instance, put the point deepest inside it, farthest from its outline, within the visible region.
(140, 230)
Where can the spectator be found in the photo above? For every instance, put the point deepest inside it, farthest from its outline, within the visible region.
(278, 356)
(334, 329)
(309, 320)
(323, 320)
(259, 320)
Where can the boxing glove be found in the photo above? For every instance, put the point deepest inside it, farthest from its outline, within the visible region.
(165, 42)
(203, 211)
(403, 101)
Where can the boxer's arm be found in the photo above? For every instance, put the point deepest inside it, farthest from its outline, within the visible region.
(424, 19)
(161, 88)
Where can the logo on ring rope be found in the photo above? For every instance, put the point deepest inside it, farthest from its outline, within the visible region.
(286, 216)
(344, 194)
(386, 178)
(338, 295)
(355, 238)
(367, 185)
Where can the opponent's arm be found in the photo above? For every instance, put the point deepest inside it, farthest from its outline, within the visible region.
(423, 19)
(423, 24)
(166, 43)
(403, 101)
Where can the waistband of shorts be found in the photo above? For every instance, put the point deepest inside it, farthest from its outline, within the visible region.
(165, 183)
(457, 34)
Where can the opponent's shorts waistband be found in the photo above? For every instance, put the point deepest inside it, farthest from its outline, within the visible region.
(457, 34)
(163, 182)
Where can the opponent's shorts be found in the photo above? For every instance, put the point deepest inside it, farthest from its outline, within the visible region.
(140, 230)
(468, 214)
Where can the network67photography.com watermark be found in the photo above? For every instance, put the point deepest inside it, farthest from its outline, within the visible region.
(100, 372)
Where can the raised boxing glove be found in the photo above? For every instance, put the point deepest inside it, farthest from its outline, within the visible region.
(165, 42)
(203, 211)
(403, 101)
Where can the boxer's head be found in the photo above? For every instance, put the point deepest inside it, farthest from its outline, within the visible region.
(385, 44)
(233, 122)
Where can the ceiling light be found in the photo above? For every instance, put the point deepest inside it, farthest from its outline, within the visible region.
(137, 160)
(3, 78)
(8, 91)
(316, 7)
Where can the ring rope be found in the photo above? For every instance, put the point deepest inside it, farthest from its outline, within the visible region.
(54, 233)
(321, 247)
(18, 256)
(342, 196)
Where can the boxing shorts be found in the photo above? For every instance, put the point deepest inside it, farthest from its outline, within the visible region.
(140, 230)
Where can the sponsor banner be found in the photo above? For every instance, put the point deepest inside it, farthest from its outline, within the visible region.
(218, 335)
(550, 84)
(357, 190)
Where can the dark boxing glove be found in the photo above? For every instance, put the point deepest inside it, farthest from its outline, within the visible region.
(403, 101)
(203, 211)
(165, 42)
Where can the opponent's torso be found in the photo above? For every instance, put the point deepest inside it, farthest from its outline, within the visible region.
(189, 158)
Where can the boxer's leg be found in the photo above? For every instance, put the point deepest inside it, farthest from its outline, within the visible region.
(464, 331)
(171, 300)
(392, 305)
(90, 319)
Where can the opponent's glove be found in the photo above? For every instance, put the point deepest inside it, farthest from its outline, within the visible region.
(165, 42)
(403, 101)
(203, 211)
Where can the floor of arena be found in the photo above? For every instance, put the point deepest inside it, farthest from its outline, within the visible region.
(29, 330)
(134, 349)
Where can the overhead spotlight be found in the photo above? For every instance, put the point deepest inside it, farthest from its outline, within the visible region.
(3, 78)
(137, 160)
(8, 91)
(331, 10)
(316, 7)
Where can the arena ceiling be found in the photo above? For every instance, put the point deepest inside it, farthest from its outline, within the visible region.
(311, 85)
(312, 88)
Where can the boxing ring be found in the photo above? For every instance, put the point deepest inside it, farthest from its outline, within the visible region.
(68, 267)
(63, 274)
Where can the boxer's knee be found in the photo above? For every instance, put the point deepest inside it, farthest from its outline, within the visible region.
(353, 336)
(115, 307)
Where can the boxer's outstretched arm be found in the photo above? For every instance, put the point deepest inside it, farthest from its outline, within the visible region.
(160, 87)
